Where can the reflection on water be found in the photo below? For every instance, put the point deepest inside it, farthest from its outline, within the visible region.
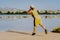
(7, 17)
(25, 22)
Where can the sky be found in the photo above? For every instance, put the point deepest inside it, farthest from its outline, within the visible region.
(24, 4)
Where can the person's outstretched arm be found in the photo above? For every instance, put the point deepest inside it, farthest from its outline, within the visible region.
(29, 11)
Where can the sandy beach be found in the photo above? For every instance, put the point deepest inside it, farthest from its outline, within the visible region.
(14, 35)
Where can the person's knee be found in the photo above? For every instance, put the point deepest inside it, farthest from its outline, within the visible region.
(34, 26)
(40, 24)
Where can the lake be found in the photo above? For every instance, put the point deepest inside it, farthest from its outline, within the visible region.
(25, 22)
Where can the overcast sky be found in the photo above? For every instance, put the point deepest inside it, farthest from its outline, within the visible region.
(24, 4)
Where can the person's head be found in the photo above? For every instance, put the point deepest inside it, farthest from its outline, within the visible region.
(32, 7)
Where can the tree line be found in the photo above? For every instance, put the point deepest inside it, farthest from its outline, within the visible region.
(8, 12)
(24, 12)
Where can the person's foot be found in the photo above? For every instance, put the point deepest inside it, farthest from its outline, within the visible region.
(33, 34)
(45, 31)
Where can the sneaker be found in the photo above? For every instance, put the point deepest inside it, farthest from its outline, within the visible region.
(45, 31)
(33, 33)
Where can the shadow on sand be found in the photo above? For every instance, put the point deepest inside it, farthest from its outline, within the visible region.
(25, 33)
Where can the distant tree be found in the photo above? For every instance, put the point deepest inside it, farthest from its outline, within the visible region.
(20, 12)
(46, 12)
(16, 12)
(0, 12)
(12, 13)
(8, 12)
(24, 12)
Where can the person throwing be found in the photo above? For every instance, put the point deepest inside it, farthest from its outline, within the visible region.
(37, 19)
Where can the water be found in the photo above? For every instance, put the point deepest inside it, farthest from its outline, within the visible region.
(25, 22)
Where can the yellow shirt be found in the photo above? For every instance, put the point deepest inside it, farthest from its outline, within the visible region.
(35, 14)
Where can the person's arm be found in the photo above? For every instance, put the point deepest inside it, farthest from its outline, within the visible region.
(29, 11)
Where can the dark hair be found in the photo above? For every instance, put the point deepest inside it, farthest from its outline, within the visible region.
(32, 8)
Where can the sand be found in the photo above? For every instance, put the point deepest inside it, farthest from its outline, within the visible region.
(14, 35)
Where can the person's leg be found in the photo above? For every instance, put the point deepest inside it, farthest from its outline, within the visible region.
(34, 30)
(43, 28)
